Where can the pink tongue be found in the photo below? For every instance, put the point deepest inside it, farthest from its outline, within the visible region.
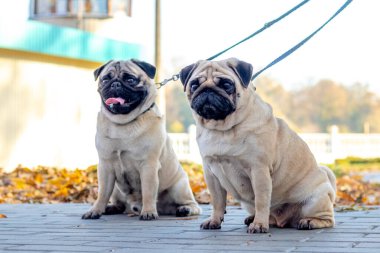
(111, 101)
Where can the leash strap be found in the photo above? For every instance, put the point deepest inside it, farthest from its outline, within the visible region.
(301, 43)
(266, 26)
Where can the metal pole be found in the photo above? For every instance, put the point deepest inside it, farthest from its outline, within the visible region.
(157, 57)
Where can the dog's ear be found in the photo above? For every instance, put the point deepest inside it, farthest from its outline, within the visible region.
(186, 73)
(99, 70)
(244, 71)
(149, 69)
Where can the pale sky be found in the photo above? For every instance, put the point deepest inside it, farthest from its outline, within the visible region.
(347, 50)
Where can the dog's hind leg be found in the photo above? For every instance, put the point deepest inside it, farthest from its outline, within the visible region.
(318, 210)
(180, 193)
(117, 205)
(251, 210)
(114, 209)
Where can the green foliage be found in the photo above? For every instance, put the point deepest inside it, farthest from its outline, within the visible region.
(338, 170)
(353, 165)
(357, 160)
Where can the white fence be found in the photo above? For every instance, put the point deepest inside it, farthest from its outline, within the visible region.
(185, 145)
(326, 147)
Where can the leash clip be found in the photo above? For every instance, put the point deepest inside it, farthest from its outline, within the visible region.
(165, 81)
(175, 77)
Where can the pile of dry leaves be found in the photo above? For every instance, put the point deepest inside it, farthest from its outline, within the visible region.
(353, 190)
(52, 185)
(48, 185)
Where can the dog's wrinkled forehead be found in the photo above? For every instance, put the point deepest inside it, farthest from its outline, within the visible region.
(133, 66)
(116, 67)
(122, 66)
(210, 70)
(231, 67)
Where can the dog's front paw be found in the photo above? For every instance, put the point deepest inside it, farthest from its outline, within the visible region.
(92, 214)
(211, 224)
(256, 227)
(148, 216)
(249, 220)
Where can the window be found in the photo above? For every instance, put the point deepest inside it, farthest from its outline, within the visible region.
(78, 8)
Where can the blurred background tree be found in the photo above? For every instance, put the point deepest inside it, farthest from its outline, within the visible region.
(311, 108)
(178, 111)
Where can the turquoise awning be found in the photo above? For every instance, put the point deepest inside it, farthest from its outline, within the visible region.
(38, 37)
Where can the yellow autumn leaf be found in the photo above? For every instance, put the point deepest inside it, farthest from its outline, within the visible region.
(63, 192)
(19, 183)
(345, 196)
(38, 178)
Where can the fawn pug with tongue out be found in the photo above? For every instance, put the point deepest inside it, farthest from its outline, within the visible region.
(138, 171)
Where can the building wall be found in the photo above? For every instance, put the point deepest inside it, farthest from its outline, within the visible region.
(48, 114)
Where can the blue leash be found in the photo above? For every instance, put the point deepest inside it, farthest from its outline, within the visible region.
(301, 43)
(266, 26)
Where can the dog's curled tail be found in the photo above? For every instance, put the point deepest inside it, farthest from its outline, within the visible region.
(330, 175)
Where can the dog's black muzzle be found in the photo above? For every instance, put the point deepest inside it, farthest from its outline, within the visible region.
(209, 104)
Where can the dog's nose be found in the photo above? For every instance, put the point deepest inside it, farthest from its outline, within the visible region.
(115, 85)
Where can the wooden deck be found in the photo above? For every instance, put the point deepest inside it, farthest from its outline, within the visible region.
(59, 228)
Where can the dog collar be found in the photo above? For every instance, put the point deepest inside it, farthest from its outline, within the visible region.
(150, 107)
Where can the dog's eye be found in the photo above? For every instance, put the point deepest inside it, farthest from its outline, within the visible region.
(130, 79)
(227, 85)
(106, 78)
(194, 85)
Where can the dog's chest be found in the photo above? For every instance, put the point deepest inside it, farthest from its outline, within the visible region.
(128, 176)
(127, 147)
(219, 144)
(233, 176)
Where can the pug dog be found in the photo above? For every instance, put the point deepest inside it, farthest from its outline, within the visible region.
(253, 155)
(138, 170)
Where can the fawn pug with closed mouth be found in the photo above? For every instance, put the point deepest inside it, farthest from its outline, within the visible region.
(138, 170)
(253, 155)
